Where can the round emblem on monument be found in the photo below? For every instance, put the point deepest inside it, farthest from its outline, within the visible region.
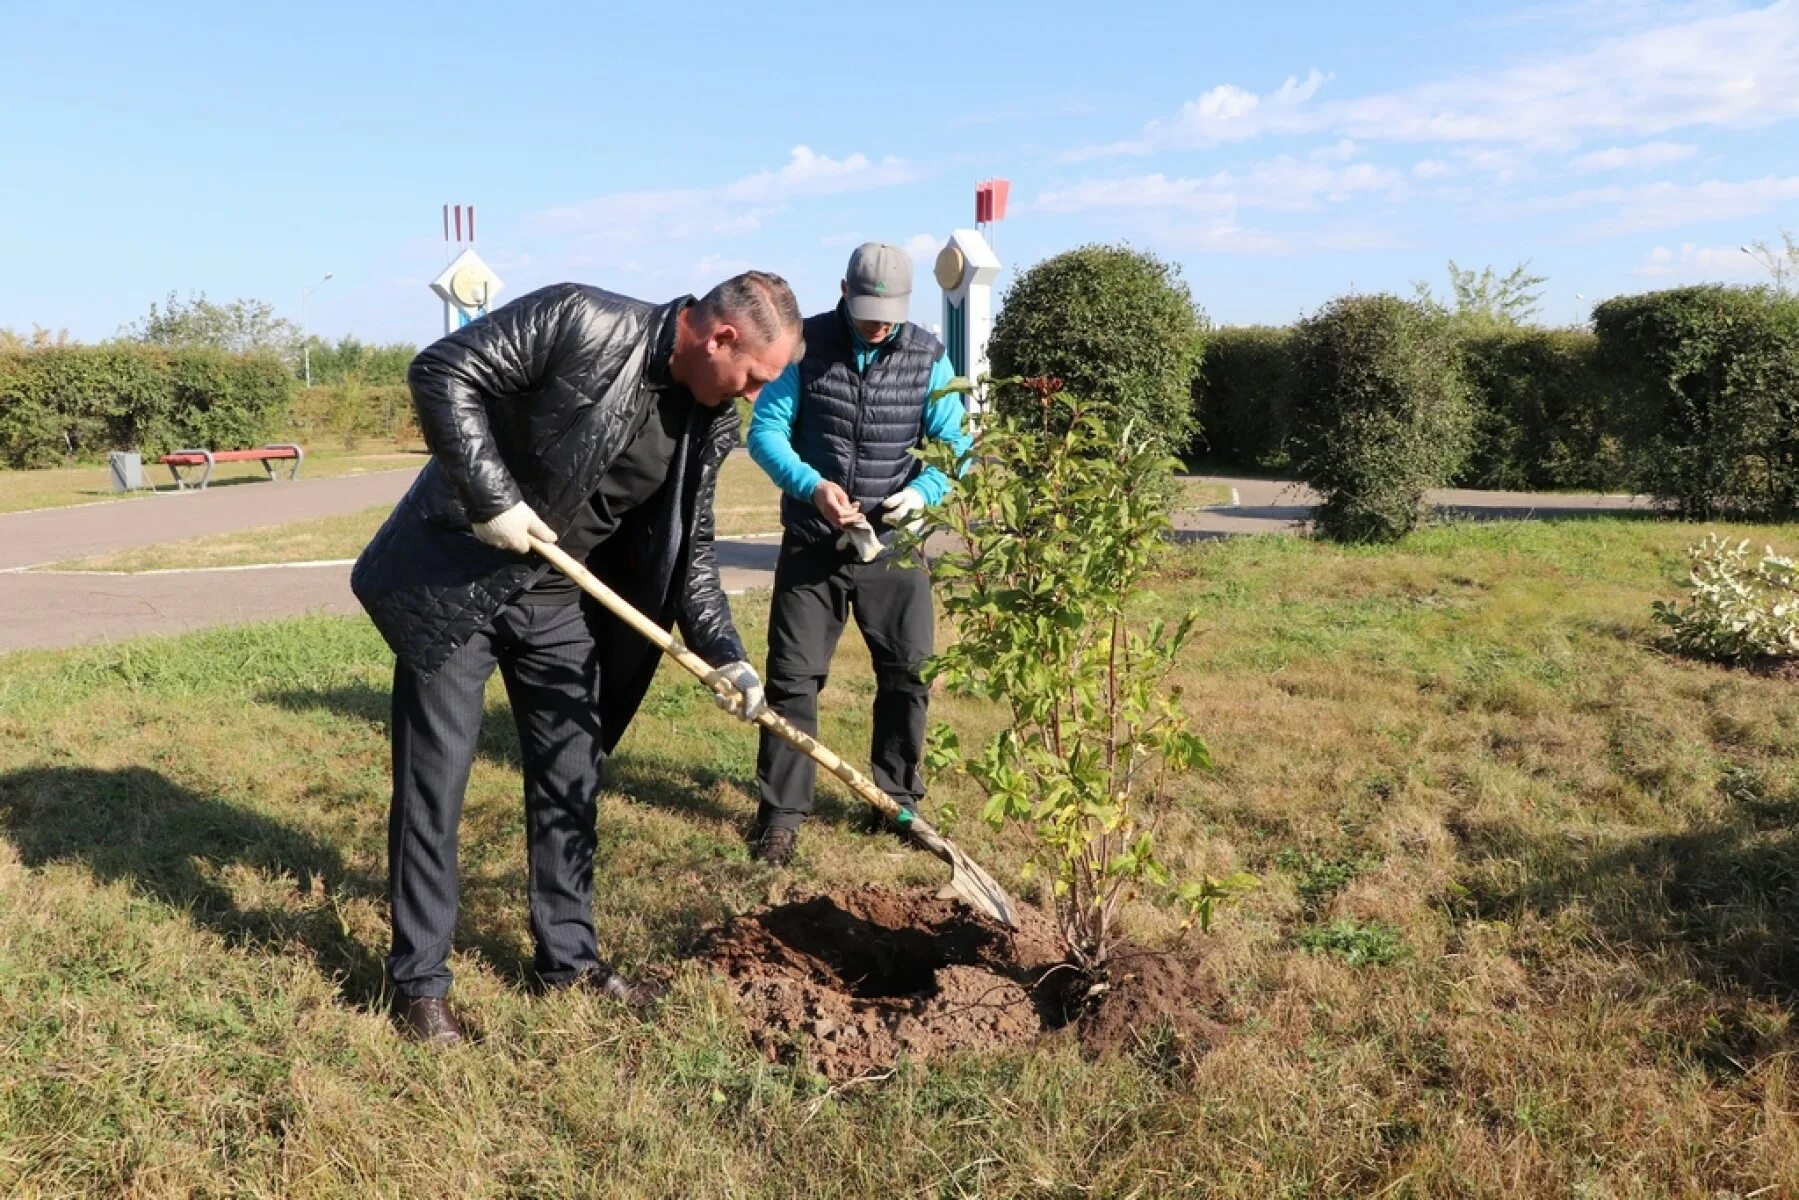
(951, 264)
(469, 286)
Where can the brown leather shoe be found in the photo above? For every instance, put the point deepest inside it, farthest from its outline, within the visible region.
(640, 996)
(427, 1019)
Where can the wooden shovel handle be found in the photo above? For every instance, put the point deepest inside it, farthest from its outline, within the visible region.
(701, 669)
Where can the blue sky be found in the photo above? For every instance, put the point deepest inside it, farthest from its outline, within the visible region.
(1283, 154)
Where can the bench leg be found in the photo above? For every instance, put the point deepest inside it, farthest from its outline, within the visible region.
(182, 485)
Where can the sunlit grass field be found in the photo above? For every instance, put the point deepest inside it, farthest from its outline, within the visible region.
(1528, 922)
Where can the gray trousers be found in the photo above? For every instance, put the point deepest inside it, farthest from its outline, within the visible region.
(546, 656)
(817, 587)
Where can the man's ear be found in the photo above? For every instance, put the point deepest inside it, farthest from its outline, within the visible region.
(724, 335)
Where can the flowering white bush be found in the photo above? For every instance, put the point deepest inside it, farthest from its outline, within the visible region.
(1740, 608)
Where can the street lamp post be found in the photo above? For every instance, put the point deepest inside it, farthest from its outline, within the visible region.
(305, 342)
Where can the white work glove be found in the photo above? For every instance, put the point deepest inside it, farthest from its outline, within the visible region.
(862, 538)
(512, 529)
(749, 701)
(904, 509)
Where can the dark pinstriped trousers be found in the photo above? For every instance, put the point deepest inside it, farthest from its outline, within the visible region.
(546, 657)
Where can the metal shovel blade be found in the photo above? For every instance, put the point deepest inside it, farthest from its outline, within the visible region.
(967, 881)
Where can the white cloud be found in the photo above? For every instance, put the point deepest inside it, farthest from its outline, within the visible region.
(1665, 205)
(1738, 70)
(1649, 154)
(1340, 151)
(1283, 184)
(622, 221)
(1201, 214)
(922, 248)
(1227, 113)
(1726, 264)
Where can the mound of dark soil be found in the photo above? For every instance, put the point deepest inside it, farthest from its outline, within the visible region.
(846, 983)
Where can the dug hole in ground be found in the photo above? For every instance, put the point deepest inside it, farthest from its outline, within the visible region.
(846, 983)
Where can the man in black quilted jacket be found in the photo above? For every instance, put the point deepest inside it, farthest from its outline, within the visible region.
(599, 422)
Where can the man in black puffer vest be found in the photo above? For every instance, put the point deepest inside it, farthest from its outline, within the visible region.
(576, 416)
(835, 432)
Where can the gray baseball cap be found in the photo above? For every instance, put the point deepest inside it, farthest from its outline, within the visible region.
(878, 283)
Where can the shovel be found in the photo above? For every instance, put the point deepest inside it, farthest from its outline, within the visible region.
(967, 881)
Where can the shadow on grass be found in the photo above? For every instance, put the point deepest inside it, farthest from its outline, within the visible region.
(688, 789)
(1722, 901)
(137, 827)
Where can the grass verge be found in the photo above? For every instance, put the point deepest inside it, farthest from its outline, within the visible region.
(62, 486)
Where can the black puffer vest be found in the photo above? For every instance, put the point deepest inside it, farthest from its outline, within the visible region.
(857, 430)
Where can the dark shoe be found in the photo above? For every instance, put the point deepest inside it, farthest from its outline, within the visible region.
(640, 996)
(775, 846)
(427, 1019)
(879, 822)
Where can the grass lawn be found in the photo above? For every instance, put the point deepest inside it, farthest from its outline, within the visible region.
(1529, 922)
(1195, 494)
(59, 487)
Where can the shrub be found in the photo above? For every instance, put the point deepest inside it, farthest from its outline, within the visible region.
(1740, 609)
(77, 402)
(1708, 391)
(1243, 397)
(1117, 325)
(350, 411)
(1052, 538)
(1380, 414)
(349, 360)
(1540, 413)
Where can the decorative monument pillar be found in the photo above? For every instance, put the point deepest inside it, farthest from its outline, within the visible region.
(467, 286)
(965, 270)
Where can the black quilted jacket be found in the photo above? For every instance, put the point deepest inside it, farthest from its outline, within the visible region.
(533, 402)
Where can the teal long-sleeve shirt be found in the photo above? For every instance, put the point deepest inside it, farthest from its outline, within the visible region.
(771, 430)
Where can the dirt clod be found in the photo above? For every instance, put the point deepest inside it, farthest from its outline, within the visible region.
(846, 983)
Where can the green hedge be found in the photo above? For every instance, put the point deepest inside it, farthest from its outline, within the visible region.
(1381, 413)
(1541, 419)
(1708, 397)
(345, 414)
(1243, 397)
(65, 403)
(351, 361)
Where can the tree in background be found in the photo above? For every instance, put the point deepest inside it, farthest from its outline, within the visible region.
(240, 327)
(1782, 264)
(1485, 298)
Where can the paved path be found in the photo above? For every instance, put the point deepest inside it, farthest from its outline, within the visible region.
(70, 608)
(1279, 506)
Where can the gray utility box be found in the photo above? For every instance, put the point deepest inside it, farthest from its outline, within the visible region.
(127, 470)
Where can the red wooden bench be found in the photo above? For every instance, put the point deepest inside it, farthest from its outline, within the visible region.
(266, 455)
